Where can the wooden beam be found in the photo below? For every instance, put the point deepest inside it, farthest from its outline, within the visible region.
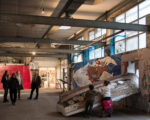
(31, 19)
(48, 41)
(47, 50)
(37, 55)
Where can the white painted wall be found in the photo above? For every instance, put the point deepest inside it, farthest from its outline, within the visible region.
(46, 61)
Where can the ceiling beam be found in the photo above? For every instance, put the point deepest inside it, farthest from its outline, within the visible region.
(30, 19)
(57, 13)
(49, 50)
(30, 55)
(48, 41)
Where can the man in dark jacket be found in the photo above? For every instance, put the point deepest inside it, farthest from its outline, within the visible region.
(36, 82)
(4, 81)
(13, 86)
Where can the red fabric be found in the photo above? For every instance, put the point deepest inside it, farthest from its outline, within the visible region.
(107, 104)
(24, 71)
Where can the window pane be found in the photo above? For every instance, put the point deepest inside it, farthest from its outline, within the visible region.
(79, 59)
(131, 33)
(132, 14)
(98, 32)
(91, 54)
(91, 35)
(142, 21)
(103, 31)
(132, 44)
(119, 36)
(75, 59)
(81, 38)
(98, 53)
(120, 47)
(77, 47)
(144, 8)
(142, 40)
(103, 51)
(121, 18)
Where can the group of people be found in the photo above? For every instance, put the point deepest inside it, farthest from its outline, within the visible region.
(106, 101)
(14, 85)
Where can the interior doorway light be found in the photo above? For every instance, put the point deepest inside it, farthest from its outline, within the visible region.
(64, 27)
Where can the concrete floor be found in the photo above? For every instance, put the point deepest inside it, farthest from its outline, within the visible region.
(45, 109)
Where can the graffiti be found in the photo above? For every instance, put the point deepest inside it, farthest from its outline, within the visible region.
(96, 70)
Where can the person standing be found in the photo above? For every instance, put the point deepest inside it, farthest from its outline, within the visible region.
(13, 86)
(20, 87)
(36, 82)
(4, 81)
(106, 100)
(89, 99)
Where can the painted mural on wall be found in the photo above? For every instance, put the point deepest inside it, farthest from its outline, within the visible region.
(96, 70)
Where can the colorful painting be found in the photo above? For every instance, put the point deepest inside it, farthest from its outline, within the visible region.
(96, 70)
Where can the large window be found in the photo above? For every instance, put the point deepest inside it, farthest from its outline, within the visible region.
(77, 57)
(132, 14)
(96, 53)
(81, 38)
(98, 33)
(132, 40)
(121, 18)
(144, 8)
(132, 43)
(142, 40)
(91, 35)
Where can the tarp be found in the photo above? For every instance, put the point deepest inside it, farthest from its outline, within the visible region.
(24, 71)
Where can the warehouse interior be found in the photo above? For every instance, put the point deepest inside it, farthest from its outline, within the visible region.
(72, 44)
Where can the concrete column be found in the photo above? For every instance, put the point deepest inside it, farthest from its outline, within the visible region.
(148, 33)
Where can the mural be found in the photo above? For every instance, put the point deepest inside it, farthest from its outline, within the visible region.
(96, 70)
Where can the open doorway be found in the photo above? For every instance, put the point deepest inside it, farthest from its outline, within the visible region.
(48, 77)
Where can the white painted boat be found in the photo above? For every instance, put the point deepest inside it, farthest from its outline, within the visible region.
(72, 102)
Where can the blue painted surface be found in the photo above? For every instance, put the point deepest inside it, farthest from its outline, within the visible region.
(112, 43)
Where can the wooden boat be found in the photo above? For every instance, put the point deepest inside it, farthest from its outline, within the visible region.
(72, 102)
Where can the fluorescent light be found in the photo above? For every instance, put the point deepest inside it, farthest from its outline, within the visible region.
(64, 27)
(33, 53)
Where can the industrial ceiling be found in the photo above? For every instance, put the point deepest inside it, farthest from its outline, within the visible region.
(70, 9)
